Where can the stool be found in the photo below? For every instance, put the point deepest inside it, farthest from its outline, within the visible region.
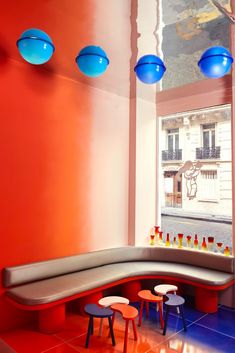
(108, 301)
(147, 297)
(163, 289)
(129, 313)
(174, 301)
(93, 310)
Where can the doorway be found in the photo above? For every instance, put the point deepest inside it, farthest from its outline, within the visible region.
(173, 189)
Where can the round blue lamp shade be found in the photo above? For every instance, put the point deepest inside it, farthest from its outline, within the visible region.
(92, 61)
(215, 62)
(150, 69)
(35, 46)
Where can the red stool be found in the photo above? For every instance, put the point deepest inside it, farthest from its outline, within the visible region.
(129, 313)
(147, 297)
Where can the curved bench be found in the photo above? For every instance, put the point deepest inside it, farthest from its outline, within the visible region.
(47, 285)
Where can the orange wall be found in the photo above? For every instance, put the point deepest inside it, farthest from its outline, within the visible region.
(64, 169)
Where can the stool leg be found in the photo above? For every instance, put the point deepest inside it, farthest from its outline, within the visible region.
(92, 325)
(147, 309)
(134, 330)
(161, 315)
(126, 337)
(141, 312)
(166, 320)
(177, 309)
(183, 317)
(88, 332)
(101, 327)
(113, 318)
(111, 331)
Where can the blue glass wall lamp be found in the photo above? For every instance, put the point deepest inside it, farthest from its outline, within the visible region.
(36, 47)
(92, 61)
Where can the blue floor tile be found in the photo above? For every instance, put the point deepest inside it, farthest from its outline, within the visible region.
(210, 340)
(223, 321)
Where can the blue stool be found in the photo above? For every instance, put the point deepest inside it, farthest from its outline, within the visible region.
(174, 301)
(93, 310)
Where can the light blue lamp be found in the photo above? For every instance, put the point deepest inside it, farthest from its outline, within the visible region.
(35, 46)
(92, 61)
(215, 62)
(150, 69)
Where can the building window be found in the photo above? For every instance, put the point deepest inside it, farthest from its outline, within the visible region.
(208, 186)
(173, 139)
(208, 135)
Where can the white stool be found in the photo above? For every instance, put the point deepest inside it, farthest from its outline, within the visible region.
(163, 289)
(108, 301)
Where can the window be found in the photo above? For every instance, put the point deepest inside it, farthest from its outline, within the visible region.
(208, 135)
(173, 139)
(208, 187)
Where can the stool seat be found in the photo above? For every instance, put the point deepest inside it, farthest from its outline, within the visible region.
(148, 296)
(174, 300)
(107, 301)
(128, 312)
(177, 302)
(162, 289)
(97, 311)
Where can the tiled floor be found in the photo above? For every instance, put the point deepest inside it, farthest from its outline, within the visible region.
(206, 333)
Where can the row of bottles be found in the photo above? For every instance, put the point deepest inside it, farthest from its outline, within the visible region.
(209, 245)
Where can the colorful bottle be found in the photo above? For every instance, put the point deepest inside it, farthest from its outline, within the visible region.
(156, 231)
(211, 243)
(189, 241)
(219, 247)
(168, 243)
(174, 242)
(227, 251)
(204, 246)
(160, 235)
(152, 239)
(180, 237)
(195, 243)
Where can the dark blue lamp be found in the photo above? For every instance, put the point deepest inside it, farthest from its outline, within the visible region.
(215, 62)
(92, 61)
(150, 69)
(35, 46)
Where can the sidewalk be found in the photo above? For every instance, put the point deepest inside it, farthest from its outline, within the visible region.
(179, 212)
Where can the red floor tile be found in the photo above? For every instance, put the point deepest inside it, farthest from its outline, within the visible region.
(63, 348)
(28, 341)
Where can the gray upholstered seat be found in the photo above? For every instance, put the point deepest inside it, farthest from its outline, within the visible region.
(53, 289)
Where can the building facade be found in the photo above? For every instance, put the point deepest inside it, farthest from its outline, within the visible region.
(196, 162)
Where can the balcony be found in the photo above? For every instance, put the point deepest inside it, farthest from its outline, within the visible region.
(208, 152)
(175, 155)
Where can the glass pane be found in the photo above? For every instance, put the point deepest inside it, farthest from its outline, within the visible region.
(196, 181)
(176, 141)
(206, 141)
(170, 142)
(213, 138)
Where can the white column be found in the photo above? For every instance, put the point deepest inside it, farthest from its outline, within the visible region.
(146, 129)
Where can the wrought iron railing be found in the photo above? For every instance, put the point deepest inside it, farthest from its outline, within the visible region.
(208, 152)
(175, 155)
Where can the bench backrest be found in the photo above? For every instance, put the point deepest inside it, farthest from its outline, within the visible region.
(35, 271)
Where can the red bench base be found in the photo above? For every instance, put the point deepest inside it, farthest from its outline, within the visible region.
(206, 300)
(51, 320)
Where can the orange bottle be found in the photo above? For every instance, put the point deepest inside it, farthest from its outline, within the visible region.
(160, 237)
(195, 243)
(227, 251)
(204, 246)
(168, 243)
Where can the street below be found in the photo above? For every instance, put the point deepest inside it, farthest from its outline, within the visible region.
(222, 232)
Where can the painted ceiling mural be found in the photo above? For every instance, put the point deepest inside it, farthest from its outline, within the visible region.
(189, 28)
